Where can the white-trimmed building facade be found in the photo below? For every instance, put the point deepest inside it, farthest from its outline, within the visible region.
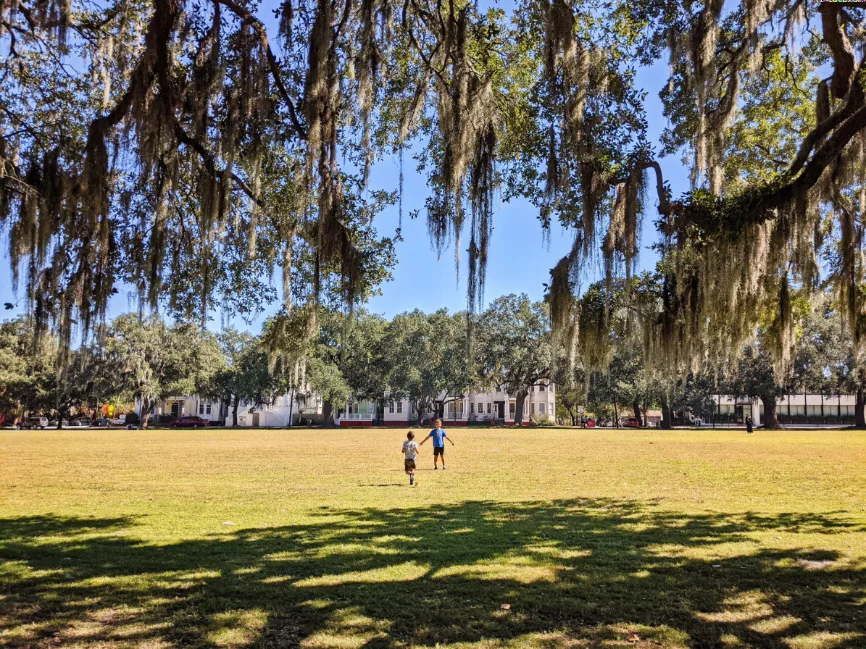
(496, 406)
(286, 410)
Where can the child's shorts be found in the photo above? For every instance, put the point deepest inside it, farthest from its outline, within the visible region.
(410, 465)
(438, 450)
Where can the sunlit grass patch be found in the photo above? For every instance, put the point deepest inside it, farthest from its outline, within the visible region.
(822, 640)
(523, 570)
(235, 628)
(398, 572)
(346, 629)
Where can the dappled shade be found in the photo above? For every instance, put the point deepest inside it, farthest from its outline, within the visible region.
(582, 572)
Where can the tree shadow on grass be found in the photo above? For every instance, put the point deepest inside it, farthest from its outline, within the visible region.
(593, 573)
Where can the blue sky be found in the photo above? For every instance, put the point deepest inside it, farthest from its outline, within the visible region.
(519, 258)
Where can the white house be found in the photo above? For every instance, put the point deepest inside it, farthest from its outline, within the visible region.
(498, 406)
(186, 406)
(286, 410)
(295, 408)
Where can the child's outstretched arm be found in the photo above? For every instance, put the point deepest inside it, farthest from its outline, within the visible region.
(423, 440)
(450, 440)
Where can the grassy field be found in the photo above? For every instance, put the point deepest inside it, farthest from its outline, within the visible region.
(535, 538)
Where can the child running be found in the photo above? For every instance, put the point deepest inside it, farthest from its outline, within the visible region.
(410, 451)
(439, 436)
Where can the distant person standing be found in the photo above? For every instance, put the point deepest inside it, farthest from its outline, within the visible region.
(749, 424)
(439, 436)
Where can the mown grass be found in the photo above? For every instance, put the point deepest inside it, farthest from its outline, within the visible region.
(539, 539)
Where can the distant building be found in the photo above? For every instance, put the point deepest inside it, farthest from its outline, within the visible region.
(790, 408)
(497, 406)
(285, 410)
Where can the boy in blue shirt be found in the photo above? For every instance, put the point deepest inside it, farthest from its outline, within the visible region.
(439, 436)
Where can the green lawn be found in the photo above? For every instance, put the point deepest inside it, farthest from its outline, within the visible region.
(534, 538)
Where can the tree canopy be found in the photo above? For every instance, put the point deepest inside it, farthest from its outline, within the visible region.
(189, 149)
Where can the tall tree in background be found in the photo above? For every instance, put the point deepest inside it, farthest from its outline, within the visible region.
(514, 346)
(426, 358)
(159, 361)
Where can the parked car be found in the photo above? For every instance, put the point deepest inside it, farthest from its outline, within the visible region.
(34, 422)
(120, 421)
(189, 422)
(101, 422)
(631, 422)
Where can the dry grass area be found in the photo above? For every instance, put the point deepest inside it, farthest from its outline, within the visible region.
(534, 539)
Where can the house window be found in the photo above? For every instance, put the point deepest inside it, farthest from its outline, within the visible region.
(488, 407)
(541, 387)
(399, 407)
(472, 408)
(200, 408)
(391, 407)
(480, 408)
(531, 408)
(540, 408)
(207, 409)
(512, 408)
(499, 388)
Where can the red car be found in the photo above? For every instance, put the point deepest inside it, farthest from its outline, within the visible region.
(631, 422)
(189, 422)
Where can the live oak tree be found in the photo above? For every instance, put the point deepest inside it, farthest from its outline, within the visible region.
(25, 372)
(426, 358)
(160, 142)
(514, 347)
(159, 360)
(755, 377)
(244, 374)
(348, 358)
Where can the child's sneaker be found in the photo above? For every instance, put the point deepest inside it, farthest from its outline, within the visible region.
(435, 468)
(444, 467)
(411, 480)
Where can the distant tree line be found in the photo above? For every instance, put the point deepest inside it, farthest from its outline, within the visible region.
(420, 356)
(414, 355)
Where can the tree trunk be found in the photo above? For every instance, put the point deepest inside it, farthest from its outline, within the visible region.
(422, 410)
(770, 419)
(860, 417)
(327, 413)
(570, 413)
(667, 424)
(636, 406)
(145, 412)
(235, 405)
(291, 406)
(225, 404)
(615, 415)
(519, 401)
